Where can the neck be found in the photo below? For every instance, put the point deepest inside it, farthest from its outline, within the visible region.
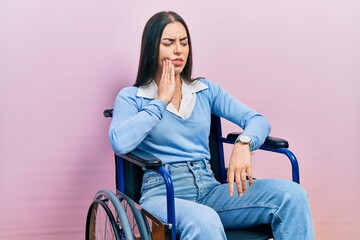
(178, 80)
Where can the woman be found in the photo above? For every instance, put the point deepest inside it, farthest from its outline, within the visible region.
(167, 113)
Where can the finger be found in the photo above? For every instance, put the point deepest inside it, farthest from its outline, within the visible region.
(172, 72)
(166, 77)
(169, 70)
(250, 177)
(243, 181)
(238, 183)
(230, 177)
(163, 69)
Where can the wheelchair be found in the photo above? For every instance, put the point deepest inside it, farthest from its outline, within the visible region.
(119, 216)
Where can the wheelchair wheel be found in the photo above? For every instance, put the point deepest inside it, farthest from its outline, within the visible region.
(100, 223)
(107, 218)
(138, 222)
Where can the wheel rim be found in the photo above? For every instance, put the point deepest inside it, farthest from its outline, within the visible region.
(101, 224)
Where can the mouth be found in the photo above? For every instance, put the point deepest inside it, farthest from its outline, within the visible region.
(178, 62)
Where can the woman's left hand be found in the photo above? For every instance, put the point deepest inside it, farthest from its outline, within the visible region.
(239, 168)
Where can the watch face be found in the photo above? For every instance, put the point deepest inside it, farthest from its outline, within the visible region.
(245, 139)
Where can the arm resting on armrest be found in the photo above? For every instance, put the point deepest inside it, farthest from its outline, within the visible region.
(143, 159)
(273, 142)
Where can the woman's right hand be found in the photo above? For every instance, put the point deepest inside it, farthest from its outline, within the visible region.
(166, 85)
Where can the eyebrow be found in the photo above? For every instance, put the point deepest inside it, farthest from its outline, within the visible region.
(173, 39)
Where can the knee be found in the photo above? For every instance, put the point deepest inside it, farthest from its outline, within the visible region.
(293, 194)
(205, 223)
(210, 221)
(296, 193)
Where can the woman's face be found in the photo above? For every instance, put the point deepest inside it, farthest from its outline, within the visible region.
(174, 46)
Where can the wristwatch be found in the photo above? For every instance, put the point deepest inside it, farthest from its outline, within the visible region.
(243, 139)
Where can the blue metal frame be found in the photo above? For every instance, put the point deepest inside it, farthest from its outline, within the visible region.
(119, 165)
(221, 150)
(120, 185)
(285, 151)
(170, 200)
(291, 157)
(170, 196)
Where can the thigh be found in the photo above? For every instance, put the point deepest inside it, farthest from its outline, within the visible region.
(257, 206)
(189, 216)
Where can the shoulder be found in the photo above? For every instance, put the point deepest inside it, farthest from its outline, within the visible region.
(127, 94)
(211, 86)
(128, 91)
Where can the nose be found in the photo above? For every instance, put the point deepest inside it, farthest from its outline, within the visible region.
(178, 48)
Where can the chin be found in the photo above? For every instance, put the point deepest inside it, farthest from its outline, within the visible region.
(178, 71)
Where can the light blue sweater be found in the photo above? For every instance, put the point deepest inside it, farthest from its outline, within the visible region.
(145, 123)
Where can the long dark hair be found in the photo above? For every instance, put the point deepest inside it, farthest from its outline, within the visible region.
(150, 42)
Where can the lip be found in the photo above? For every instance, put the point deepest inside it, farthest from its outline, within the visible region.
(178, 62)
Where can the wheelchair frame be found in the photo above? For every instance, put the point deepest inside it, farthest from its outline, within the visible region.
(147, 161)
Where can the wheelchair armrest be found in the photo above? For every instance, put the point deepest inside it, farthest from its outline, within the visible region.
(272, 142)
(142, 159)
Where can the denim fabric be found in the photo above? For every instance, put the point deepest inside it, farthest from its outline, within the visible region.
(204, 207)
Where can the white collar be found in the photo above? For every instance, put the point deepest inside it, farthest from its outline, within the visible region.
(150, 90)
(188, 99)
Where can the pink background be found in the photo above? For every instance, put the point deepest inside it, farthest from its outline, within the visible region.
(62, 62)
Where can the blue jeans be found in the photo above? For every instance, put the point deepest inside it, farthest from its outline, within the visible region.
(200, 200)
